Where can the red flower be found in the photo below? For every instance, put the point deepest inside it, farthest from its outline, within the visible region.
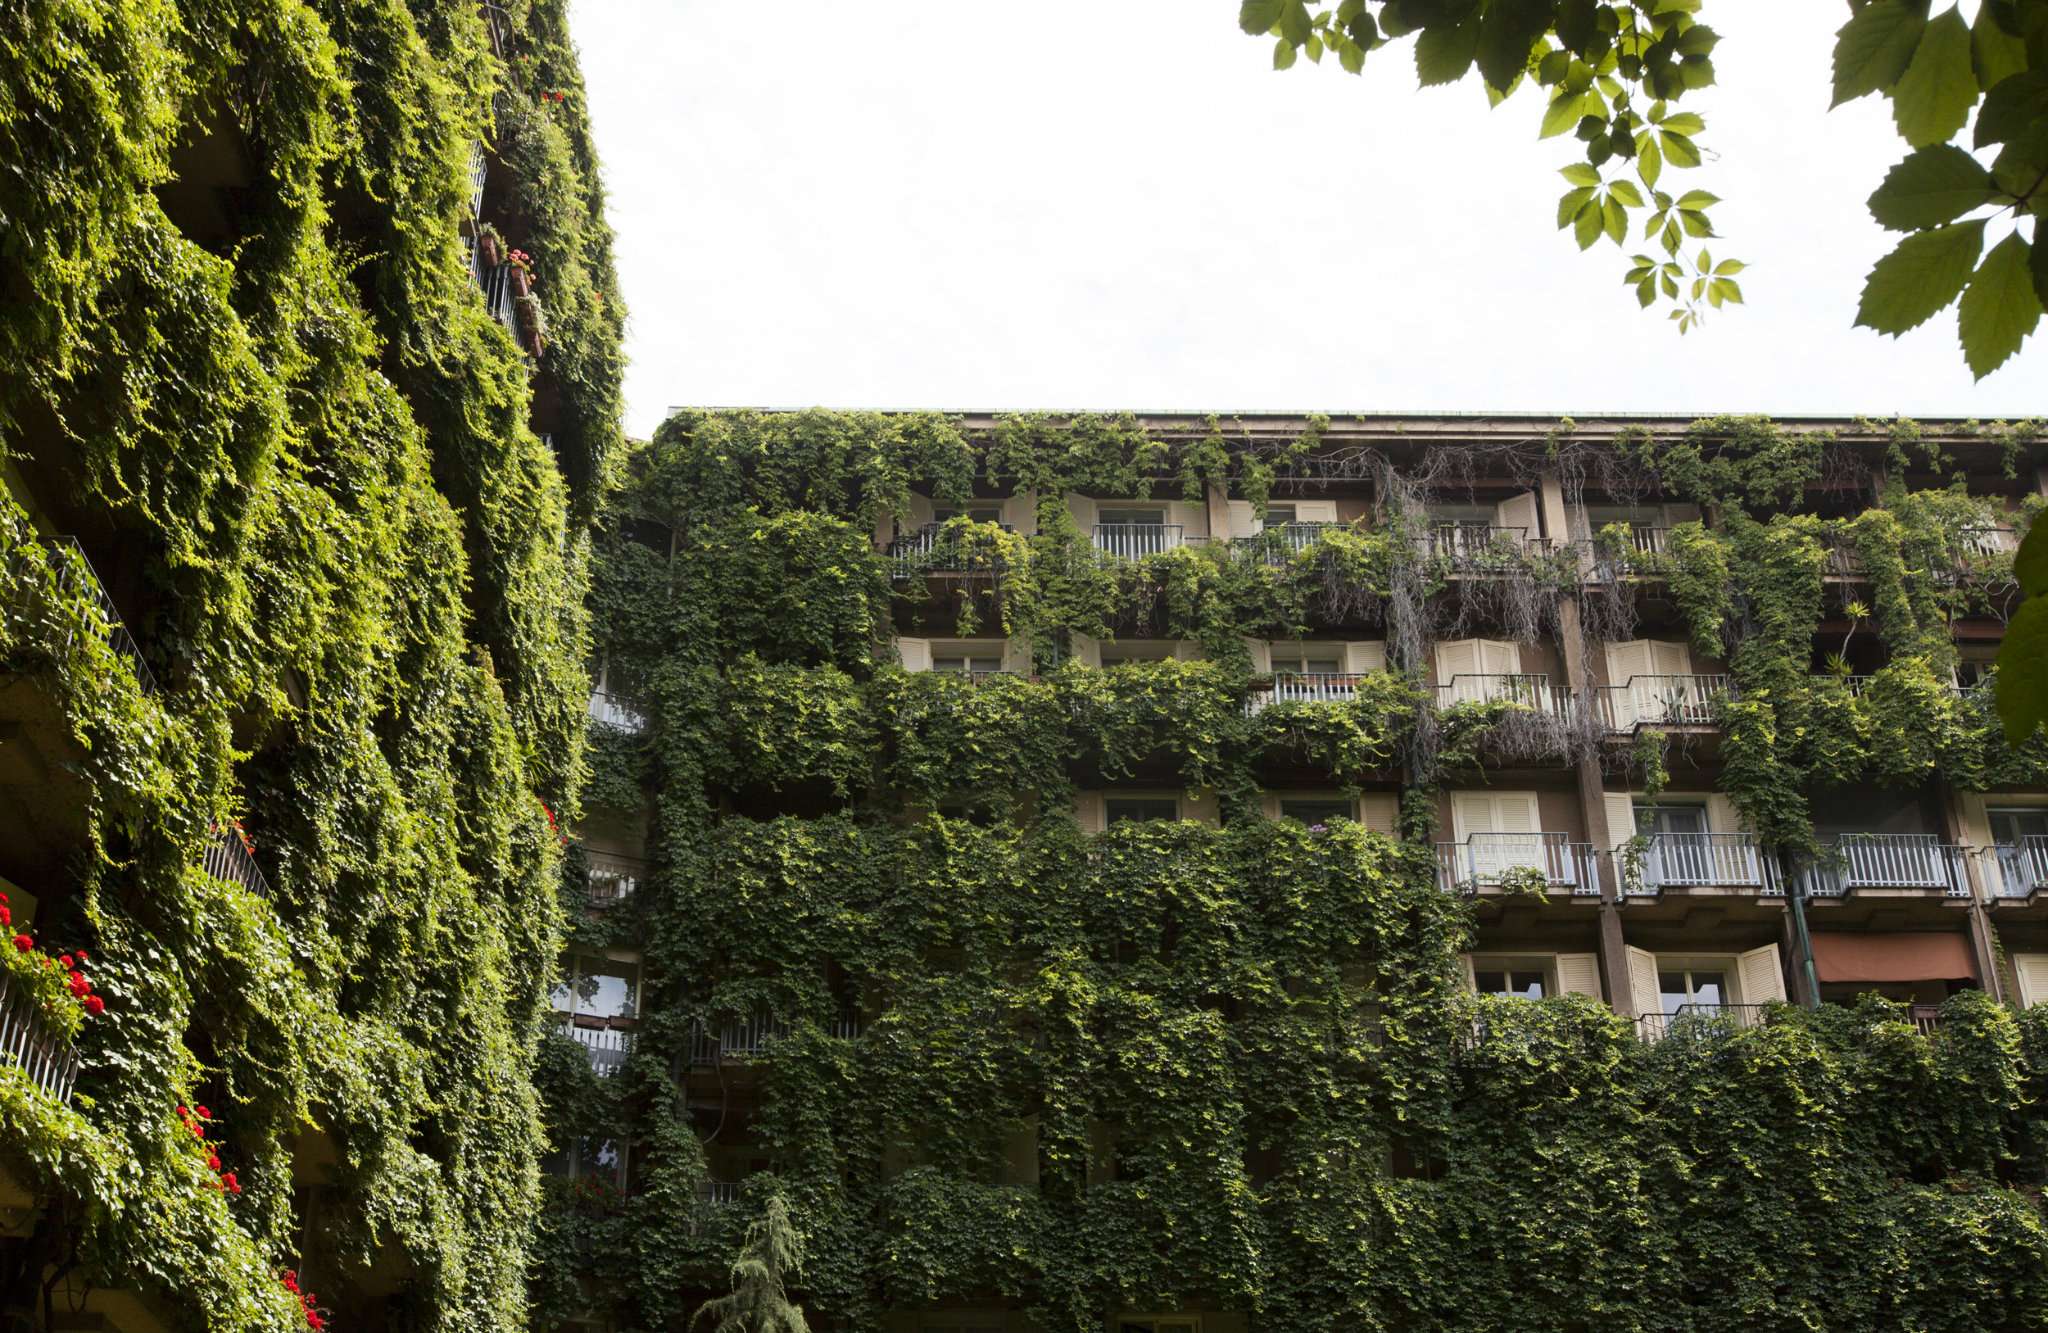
(64, 961)
(24, 943)
(228, 1179)
(214, 1161)
(6, 917)
(182, 1112)
(81, 955)
(95, 1005)
(205, 1114)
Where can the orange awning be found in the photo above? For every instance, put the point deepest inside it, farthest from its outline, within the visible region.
(1906, 956)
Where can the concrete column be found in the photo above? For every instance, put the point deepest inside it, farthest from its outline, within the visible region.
(1983, 948)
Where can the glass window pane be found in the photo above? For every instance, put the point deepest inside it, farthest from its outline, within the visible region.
(1316, 812)
(1671, 991)
(1490, 982)
(1279, 515)
(1708, 989)
(1528, 985)
(1125, 808)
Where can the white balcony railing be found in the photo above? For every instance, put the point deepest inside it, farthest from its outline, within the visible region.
(741, 1040)
(1706, 860)
(49, 1062)
(1280, 541)
(479, 170)
(719, 1193)
(613, 878)
(1487, 858)
(608, 1047)
(930, 548)
(1987, 542)
(1530, 690)
(1135, 541)
(1661, 701)
(1478, 547)
(608, 709)
(1888, 861)
(2017, 869)
(1305, 687)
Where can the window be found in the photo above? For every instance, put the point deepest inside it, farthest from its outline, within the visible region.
(1137, 809)
(1699, 988)
(965, 664)
(1279, 516)
(2008, 827)
(1317, 812)
(977, 513)
(1526, 982)
(1308, 659)
(598, 988)
(1136, 517)
(1669, 819)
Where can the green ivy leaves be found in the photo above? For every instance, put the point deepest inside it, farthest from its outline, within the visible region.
(1930, 187)
(1922, 276)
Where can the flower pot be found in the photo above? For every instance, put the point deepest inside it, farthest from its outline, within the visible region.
(489, 250)
(522, 282)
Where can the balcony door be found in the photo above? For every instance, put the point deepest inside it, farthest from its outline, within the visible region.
(1652, 683)
(1472, 670)
(2019, 840)
(1679, 852)
(1500, 831)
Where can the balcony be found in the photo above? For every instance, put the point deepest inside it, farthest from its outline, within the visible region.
(76, 576)
(719, 1193)
(746, 1039)
(1660, 701)
(606, 707)
(613, 879)
(1990, 542)
(2017, 869)
(1483, 860)
(48, 1060)
(607, 1047)
(1530, 690)
(1700, 1021)
(1281, 542)
(1891, 861)
(227, 858)
(1306, 687)
(1135, 541)
(1706, 861)
(931, 549)
(1481, 548)
(479, 170)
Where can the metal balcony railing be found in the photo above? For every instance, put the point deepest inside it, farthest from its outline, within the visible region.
(607, 1047)
(496, 281)
(1134, 541)
(1529, 689)
(846, 1027)
(1854, 684)
(225, 858)
(719, 1193)
(930, 548)
(1707, 860)
(1278, 542)
(80, 577)
(479, 170)
(608, 709)
(1481, 547)
(2017, 869)
(1305, 687)
(1988, 542)
(741, 1040)
(1699, 1021)
(613, 878)
(1661, 701)
(1485, 858)
(1888, 861)
(25, 1041)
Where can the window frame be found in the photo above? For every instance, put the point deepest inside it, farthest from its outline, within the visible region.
(1543, 964)
(1110, 800)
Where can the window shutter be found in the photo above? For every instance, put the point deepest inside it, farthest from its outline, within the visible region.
(1669, 659)
(1621, 817)
(1519, 511)
(1315, 511)
(1244, 521)
(1088, 810)
(1498, 657)
(1579, 974)
(1363, 655)
(1976, 823)
(1456, 657)
(1193, 518)
(1261, 653)
(1642, 982)
(915, 654)
(1269, 805)
(1020, 511)
(920, 512)
(1471, 812)
(1380, 811)
(2031, 970)
(1722, 816)
(1517, 812)
(1627, 659)
(1762, 979)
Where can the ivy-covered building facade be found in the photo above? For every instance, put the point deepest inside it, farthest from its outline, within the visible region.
(311, 351)
(1179, 874)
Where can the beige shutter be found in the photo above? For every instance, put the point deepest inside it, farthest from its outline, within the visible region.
(1669, 659)
(1456, 657)
(1519, 511)
(1200, 805)
(1975, 817)
(1244, 521)
(1083, 508)
(1629, 659)
(1621, 818)
(1086, 651)
(1363, 655)
(1017, 655)
(1261, 653)
(1020, 511)
(1722, 816)
(1578, 974)
(1315, 511)
(1762, 979)
(1518, 812)
(1498, 657)
(1193, 518)
(1380, 811)
(1471, 812)
(1642, 982)
(2031, 971)
(915, 654)
(1088, 811)
(1269, 805)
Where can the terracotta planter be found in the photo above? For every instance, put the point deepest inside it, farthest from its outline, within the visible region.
(521, 280)
(489, 250)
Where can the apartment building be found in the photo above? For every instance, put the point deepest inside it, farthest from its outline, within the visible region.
(1536, 588)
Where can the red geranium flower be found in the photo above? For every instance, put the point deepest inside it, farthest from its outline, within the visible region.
(95, 1005)
(24, 943)
(205, 1114)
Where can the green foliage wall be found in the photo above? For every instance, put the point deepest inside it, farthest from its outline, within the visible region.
(358, 575)
(1173, 1063)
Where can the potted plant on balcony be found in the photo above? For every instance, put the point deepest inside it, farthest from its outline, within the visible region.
(490, 245)
(533, 327)
(520, 273)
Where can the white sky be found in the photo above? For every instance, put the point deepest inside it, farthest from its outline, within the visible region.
(1118, 204)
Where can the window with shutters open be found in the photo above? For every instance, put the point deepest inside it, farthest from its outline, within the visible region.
(1500, 831)
(2031, 971)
